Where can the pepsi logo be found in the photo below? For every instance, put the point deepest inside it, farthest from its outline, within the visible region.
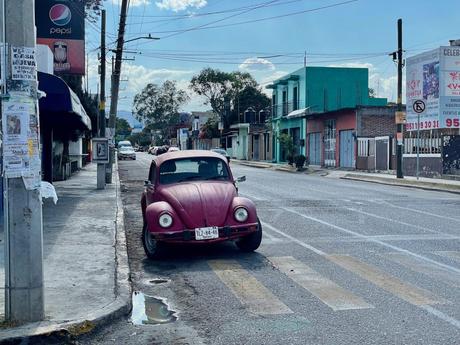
(60, 15)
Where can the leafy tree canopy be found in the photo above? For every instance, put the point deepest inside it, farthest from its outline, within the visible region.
(238, 90)
(122, 127)
(158, 106)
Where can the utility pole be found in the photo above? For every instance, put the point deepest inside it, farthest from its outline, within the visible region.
(399, 124)
(115, 85)
(101, 121)
(24, 292)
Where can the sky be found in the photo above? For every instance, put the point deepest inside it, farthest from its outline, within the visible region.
(267, 38)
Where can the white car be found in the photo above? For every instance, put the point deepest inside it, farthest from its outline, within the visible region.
(173, 149)
(126, 152)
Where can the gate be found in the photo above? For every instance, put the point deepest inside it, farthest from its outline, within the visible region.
(451, 154)
(347, 149)
(314, 148)
(329, 143)
(382, 153)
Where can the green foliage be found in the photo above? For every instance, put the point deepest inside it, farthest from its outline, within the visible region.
(287, 144)
(300, 161)
(220, 87)
(372, 93)
(211, 129)
(142, 138)
(158, 106)
(122, 127)
(250, 96)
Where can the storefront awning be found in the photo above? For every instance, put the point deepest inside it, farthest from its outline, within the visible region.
(60, 100)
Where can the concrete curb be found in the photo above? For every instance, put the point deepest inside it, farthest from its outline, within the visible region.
(97, 318)
(407, 183)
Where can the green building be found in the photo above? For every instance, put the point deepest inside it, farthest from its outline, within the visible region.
(315, 90)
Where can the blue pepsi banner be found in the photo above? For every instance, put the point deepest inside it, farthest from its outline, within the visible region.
(61, 26)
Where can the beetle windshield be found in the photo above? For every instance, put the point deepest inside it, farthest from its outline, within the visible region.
(193, 169)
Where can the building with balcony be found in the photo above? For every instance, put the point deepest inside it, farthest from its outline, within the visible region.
(315, 91)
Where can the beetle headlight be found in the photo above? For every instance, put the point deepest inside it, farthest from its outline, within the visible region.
(241, 214)
(165, 220)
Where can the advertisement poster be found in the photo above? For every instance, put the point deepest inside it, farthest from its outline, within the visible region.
(15, 125)
(449, 107)
(422, 83)
(61, 26)
(434, 78)
(23, 64)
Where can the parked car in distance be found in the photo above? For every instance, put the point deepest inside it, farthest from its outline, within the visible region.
(191, 197)
(124, 143)
(126, 152)
(173, 149)
(222, 152)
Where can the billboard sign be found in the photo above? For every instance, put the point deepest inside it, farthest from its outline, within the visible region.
(61, 26)
(433, 77)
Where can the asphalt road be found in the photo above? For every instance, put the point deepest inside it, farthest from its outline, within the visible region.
(341, 262)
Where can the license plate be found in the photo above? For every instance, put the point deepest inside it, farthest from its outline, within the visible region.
(207, 233)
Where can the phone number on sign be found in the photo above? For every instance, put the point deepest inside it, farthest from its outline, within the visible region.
(423, 125)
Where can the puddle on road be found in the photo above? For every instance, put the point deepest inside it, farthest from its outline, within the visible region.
(149, 310)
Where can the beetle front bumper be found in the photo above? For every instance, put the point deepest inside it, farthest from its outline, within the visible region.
(188, 236)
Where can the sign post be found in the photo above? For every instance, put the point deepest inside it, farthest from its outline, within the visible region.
(419, 107)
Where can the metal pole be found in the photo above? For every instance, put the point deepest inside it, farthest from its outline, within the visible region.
(418, 145)
(399, 126)
(101, 122)
(24, 291)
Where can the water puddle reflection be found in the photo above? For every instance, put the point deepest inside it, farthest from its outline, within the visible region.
(149, 310)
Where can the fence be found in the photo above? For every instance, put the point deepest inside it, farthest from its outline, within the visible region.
(429, 143)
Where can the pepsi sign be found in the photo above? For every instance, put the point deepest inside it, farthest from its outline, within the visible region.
(63, 19)
(61, 26)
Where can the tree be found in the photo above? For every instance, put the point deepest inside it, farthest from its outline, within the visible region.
(158, 106)
(287, 145)
(250, 96)
(220, 87)
(372, 93)
(93, 9)
(122, 127)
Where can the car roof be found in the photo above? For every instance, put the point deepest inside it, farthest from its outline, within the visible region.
(186, 154)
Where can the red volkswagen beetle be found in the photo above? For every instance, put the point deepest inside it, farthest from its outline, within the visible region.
(191, 197)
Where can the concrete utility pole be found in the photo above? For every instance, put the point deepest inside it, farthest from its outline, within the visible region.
(399, 125)
(101, 121)
(115, 82)
(24, 292)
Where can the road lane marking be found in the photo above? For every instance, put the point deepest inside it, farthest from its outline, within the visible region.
(405, 291)
(441, 315)
(415, 210)
(449, 254)
(293, 239)
(425, 268)
(249, 291)
(393, 220)
(324, 289)
(395, 248)
(429, 309)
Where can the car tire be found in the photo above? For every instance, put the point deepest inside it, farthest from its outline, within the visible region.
(152, 247)
(251, 242)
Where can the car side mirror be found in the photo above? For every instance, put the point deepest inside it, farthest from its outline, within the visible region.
(147, 183)
(240, 179)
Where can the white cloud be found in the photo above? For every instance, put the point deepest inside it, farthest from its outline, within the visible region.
(180, 5)
(133, 2)
(257, 64)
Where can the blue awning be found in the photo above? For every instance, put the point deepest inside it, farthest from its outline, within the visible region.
(60, 99)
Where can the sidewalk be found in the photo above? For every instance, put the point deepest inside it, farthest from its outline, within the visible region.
(85, 259)
(436, 184)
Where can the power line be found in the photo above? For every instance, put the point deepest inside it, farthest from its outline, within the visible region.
(205, 26)
(204, 14)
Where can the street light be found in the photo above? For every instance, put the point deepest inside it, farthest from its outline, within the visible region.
(149, 37)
